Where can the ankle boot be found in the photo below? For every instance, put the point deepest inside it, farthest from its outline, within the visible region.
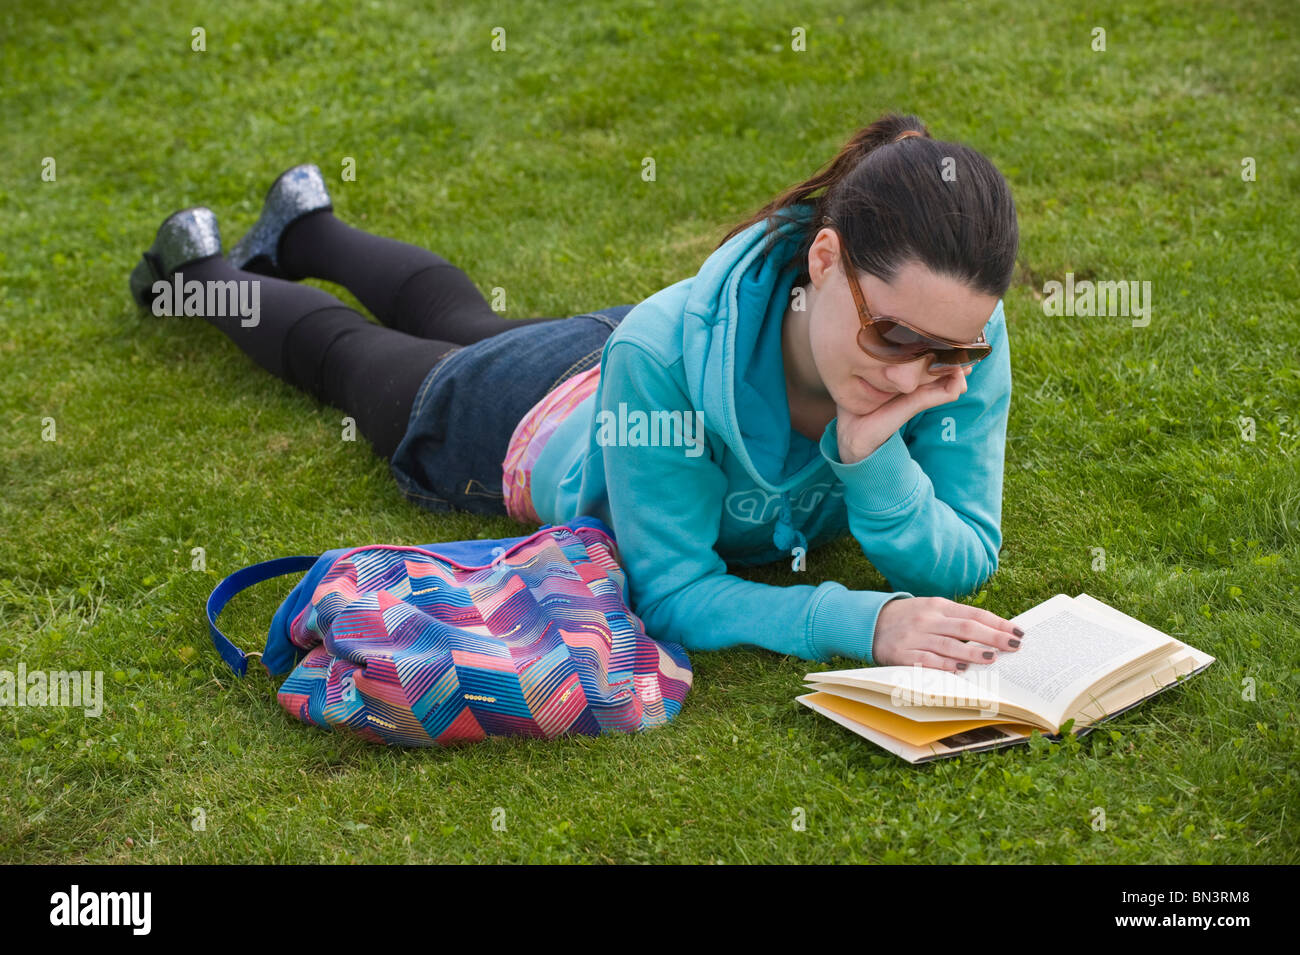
(297, 192)
(183, 237)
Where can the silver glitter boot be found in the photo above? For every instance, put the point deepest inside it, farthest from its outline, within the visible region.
(295, 193)
(183, 237)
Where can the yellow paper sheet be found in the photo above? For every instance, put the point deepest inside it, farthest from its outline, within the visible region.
(899, 727)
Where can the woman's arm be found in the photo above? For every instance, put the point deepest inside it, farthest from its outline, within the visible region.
(926, 506)
(666, 510)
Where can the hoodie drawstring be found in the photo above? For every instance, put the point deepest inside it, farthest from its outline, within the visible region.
(786, 537)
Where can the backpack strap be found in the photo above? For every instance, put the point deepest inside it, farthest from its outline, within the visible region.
(240, 580)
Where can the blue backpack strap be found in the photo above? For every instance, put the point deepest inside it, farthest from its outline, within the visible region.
(241, 580)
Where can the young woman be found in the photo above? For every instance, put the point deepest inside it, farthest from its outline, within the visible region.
(839, 365)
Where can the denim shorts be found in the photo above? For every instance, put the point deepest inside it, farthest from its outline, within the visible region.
(470, 402)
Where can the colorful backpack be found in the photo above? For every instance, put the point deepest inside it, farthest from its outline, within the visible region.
(449, 643)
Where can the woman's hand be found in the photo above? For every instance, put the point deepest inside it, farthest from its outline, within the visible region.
(858, 436)
(933, 631)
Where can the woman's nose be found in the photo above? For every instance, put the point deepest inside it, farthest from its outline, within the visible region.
(907, 378)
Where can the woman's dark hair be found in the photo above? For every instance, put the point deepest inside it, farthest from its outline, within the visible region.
(892, 203)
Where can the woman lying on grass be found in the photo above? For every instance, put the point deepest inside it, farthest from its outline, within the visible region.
(839, 365)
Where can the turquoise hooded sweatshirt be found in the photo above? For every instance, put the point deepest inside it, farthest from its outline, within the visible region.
(925, 507)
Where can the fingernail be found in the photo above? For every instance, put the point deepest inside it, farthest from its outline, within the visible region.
(1018, 632)
(1014, 643)
(988, 654)
(961, 666)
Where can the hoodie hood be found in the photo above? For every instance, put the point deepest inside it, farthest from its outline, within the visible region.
(731, 349)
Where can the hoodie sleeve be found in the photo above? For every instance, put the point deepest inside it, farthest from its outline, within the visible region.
(666, 509)
(927, 508)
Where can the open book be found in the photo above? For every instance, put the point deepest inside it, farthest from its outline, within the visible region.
(1080, 659)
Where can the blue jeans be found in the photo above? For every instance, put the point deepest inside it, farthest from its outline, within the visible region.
(469, 404)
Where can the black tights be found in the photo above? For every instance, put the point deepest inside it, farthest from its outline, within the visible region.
(312, 340)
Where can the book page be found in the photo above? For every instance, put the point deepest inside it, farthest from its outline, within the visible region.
(915, 708)
(910, 685)
(899, 727)
(1067, 648)
(1123, 620)
(1141, 686)
(979, 738)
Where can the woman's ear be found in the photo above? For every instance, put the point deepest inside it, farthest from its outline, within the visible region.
(823, 256)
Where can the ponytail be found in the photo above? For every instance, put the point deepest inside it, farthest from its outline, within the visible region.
(884, 130)
(891, 203)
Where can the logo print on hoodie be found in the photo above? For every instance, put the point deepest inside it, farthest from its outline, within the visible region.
(757, 506)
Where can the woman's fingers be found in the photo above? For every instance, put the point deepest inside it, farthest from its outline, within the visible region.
(984, 634)
(948, 387)
(928, 659)
(960, 650)
(981, 626)
(986, 617)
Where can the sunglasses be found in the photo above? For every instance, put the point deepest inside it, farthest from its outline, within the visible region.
(893, 340)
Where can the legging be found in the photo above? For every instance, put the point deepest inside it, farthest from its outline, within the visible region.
(315, 342)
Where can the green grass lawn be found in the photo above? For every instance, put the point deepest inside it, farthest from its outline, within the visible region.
(524, 167)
